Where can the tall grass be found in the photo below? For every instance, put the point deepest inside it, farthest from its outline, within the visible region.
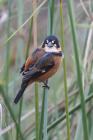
(79, 74)
(36, 11)
(20, 57)
(10, 111)
(73, 94)
(6, 75)
(44, 114)
(65, 75)
(36, 84)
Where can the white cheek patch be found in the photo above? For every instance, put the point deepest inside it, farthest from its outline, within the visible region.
(53, 49)
(46, 45)
(55, 45)
(47, 41)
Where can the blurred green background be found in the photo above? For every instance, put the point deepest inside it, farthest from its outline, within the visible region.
(24, 24)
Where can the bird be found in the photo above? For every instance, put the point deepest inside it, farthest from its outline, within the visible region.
(41, 65)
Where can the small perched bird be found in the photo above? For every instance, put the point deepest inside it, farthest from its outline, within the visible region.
(41, 65)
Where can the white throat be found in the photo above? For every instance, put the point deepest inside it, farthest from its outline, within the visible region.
(53, 49)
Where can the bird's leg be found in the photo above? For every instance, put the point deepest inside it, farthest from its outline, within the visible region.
(46, 84)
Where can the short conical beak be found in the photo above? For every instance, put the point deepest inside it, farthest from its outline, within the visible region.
(50, 44)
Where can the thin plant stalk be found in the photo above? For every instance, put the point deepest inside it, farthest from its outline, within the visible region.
(41, 119)
(26, 55)
(37, 111)
(34, 3)
(65, 75)
(2, 92)
(51, 6)
(6, 74)
(45, 136)
(29, 39)
(44, 113)
(79, 75)
(45, 91)
(36, 11)
(60, 119)
(19, 51)
(63, 117)
(87, 49)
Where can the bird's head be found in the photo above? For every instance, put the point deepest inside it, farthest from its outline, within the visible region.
(51, 44)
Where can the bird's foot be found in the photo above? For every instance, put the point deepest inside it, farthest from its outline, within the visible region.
(46, 85)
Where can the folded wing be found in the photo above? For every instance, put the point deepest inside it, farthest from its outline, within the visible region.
(42, 66)
(31, 60)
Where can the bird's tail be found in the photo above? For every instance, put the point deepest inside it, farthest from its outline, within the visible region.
(20, 93)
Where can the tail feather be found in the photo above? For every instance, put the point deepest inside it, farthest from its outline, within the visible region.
(20, 93)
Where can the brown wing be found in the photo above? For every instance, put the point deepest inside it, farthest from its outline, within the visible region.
(31, 60)
(42, 66)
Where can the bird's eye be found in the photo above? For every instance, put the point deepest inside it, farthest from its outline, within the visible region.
(47, 41)
(53, 41)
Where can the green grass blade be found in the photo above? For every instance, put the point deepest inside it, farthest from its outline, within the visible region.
(79, 132)
(34, 5)
(11, 111)
(63, 117)
(37, 111)
(20, 55)
(44, 113)
(51, 5)
(45, 137)
(29, 39)
(45, 92)
(37, 9)
(42, 118)
(60, 119)
(65, 75)
(6, 72)
(79, 76)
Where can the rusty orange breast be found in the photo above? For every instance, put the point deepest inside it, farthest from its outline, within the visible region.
(52, 71)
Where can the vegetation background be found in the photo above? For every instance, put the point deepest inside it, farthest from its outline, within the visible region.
(65, 111)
